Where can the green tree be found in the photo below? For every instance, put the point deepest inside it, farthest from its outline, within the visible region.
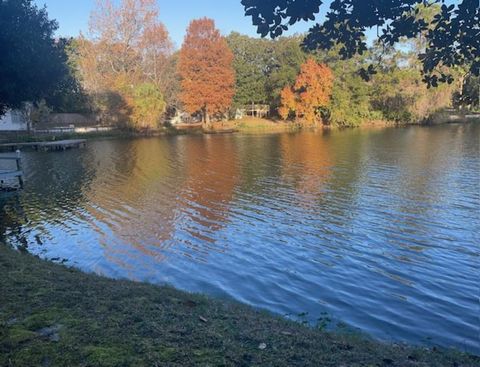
(284, 66)
(32, 63)
(453, 36)
(350, 103)
(251, 63)
(264, 67)
(148, 106)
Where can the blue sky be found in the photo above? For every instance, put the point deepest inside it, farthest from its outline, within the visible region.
(72, 16)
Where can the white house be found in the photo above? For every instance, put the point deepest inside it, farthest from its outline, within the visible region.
(13, 120)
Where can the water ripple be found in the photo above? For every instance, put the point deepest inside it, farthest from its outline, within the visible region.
(377, 229)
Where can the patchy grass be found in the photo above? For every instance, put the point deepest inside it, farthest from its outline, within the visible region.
(51, 315)
(252, 124)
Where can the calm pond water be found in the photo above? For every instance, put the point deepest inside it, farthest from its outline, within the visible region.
(376, 228)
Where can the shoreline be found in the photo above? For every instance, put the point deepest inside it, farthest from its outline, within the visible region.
(245, 126)
(52, 315)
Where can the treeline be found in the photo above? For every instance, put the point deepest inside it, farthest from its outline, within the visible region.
(126, 71)
(395, 92)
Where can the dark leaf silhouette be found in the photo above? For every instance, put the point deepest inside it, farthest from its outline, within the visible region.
(453, 35)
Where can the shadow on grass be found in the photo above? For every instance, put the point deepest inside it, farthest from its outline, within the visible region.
(51, 315)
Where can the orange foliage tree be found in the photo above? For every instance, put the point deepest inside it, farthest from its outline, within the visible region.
(311, 92)
(126, 47)
(206, 69)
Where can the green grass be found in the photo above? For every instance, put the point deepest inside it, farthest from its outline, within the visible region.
(51, 315)
(264, 125)
(267, 128)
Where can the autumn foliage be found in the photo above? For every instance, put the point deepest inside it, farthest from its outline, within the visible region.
(130, 75)
(206, 70)
(127, 50)
(311, 92)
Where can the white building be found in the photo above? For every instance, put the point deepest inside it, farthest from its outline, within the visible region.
(13, 120)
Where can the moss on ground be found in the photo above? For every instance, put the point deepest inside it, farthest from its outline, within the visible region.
(51, 315)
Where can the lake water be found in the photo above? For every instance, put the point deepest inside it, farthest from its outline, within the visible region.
(376, 228)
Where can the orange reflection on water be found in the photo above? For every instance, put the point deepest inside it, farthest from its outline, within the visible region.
(212, 172)
(307, 159)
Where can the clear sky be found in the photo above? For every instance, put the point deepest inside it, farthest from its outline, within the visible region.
(73, 16)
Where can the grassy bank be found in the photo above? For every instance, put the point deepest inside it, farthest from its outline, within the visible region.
(28, 138)
(261, 125)
(51, 315)
(265, 125)
(246, 125)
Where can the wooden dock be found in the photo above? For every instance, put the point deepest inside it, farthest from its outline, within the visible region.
(9, 175)
(45, 145)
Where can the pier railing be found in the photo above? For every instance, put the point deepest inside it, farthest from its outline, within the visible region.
(9, 174)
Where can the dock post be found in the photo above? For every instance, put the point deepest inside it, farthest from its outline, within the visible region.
(19, 168)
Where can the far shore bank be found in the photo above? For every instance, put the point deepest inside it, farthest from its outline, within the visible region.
(51, 315)
(246, 125)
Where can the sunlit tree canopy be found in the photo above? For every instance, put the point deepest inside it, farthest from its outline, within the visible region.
(453, 35)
